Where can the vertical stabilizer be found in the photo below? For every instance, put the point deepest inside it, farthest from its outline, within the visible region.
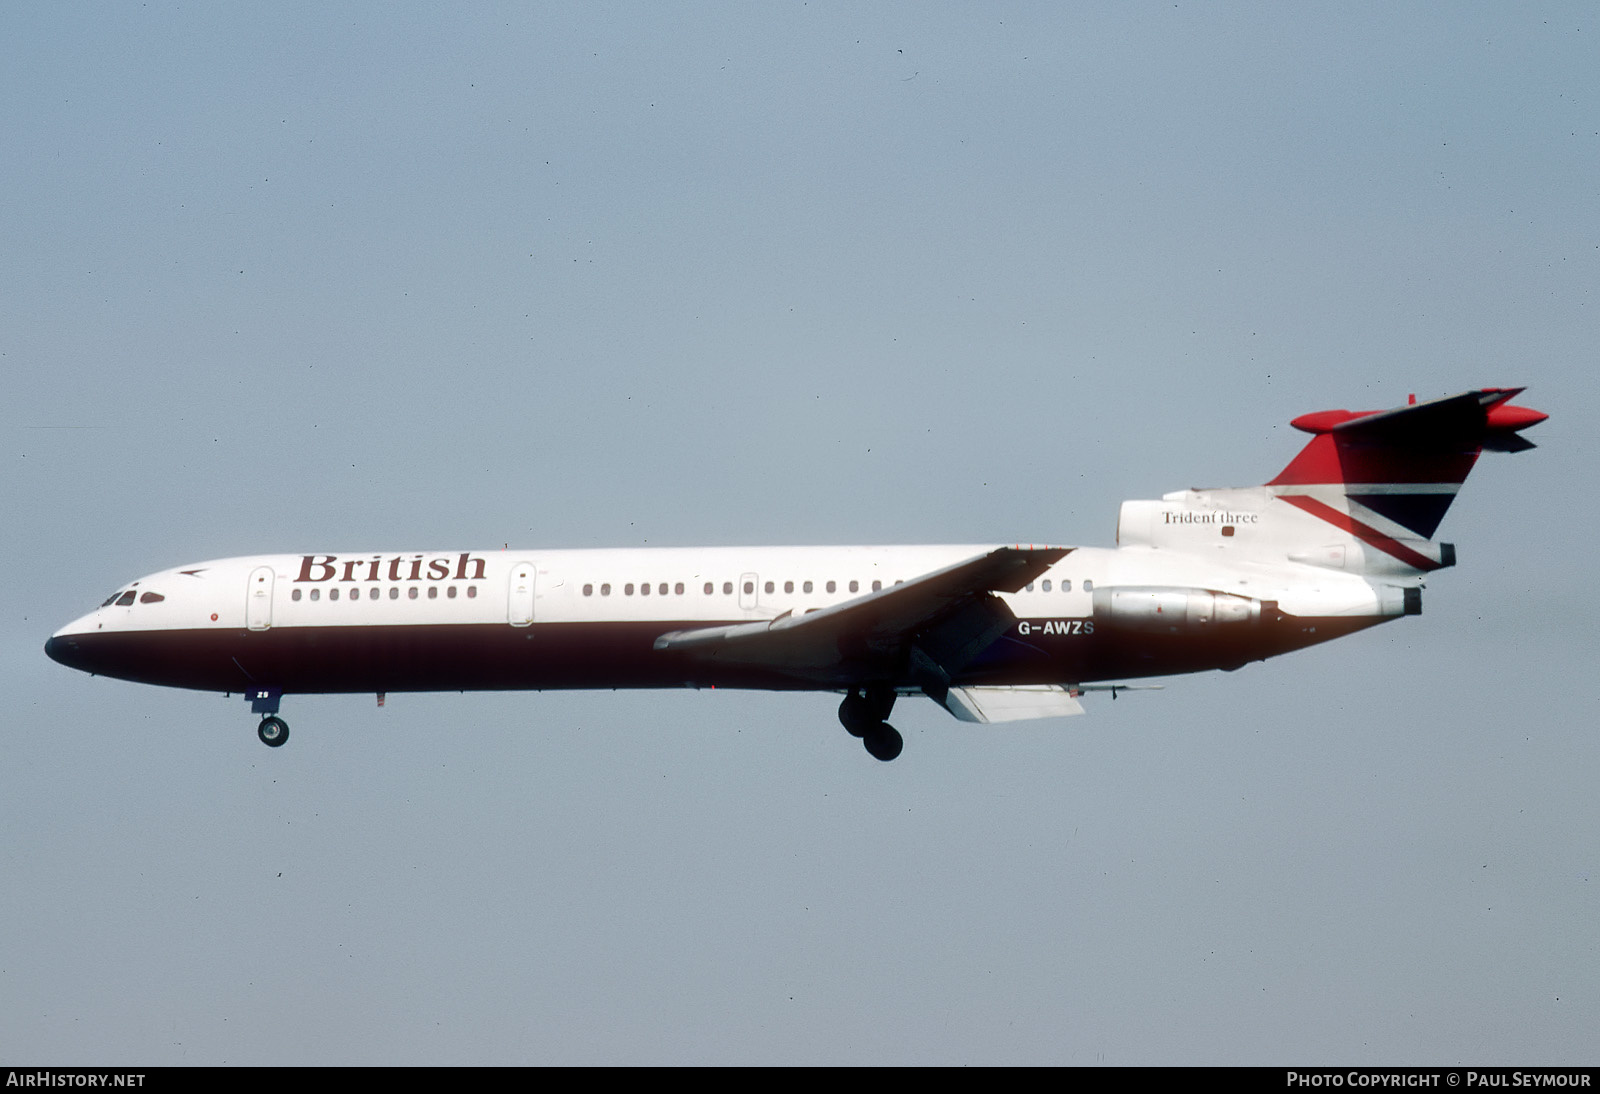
(1386, 478)
(1365, 496)
(1403, 466)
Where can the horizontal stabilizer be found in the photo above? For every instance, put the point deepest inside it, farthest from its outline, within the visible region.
(1508, 441)
(1471, 417)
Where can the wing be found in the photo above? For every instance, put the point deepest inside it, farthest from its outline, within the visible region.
(918, 631)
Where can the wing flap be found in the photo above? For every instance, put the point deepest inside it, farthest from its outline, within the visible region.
(988, 705)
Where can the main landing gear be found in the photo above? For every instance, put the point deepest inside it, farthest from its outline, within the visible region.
(862, 714)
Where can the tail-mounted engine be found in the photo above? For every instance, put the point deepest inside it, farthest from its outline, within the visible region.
(1166, 610)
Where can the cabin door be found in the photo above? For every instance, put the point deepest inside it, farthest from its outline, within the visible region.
(519, 604)
(258, 599)
(749, 591)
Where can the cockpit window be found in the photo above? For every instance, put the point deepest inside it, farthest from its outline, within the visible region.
(125, 599)
(110, 599)
(151, 598)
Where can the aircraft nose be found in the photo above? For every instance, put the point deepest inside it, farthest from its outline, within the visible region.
(63, 650)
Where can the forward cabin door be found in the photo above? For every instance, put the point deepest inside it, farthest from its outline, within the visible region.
(258, 599)
(519, 602)
(749, 591)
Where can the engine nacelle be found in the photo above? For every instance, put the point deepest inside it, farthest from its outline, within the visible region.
(1169, 610)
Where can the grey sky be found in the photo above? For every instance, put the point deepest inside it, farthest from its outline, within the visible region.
(382, 277)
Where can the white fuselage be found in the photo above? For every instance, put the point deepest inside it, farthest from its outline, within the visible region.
(438, 620)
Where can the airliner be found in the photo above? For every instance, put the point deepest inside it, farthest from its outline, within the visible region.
(1341, 540)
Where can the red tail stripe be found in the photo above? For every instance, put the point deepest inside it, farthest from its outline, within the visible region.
(1364, 532)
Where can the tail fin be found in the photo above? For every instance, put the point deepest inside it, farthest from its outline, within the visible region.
(1368, 492)
(1404, 465)
(1379, 475)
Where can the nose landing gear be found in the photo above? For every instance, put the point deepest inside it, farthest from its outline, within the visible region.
(273, 730)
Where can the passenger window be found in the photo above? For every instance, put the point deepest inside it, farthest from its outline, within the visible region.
(374, 594)
(788, 586)
(677, 589)
(749, 587)
(295, 595)
(727, 588)
(806, 588)
(1066, 586)
(855, 586)
(316, 594)
(627, 590)
(588, 590)
(333, 594)
(605, 589)
(876, 585)
(1088, 586)
(394, 593)
(644, 590)
(709, 588)
(832, 585)
(472, 591)
(411, 593)
(1045, 584)
(769, 587)
(663, 589)
(1028, 587)
(433, 592)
